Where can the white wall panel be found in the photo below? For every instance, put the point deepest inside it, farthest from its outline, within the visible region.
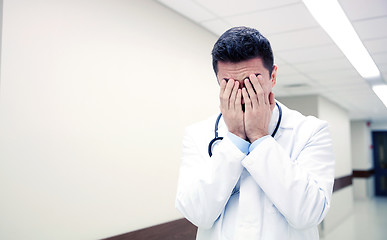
(339, 123)
(361, 142)
(94, 99)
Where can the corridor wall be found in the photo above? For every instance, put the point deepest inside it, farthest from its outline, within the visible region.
(362, 160)
(94, 99)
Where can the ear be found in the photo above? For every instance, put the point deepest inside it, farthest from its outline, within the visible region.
(274, 76)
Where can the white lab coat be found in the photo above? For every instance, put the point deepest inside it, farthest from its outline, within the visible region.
(285, 183)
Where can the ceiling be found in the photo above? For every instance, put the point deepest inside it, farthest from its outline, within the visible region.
(308, 60)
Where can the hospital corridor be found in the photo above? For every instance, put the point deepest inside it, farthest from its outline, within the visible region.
(193, 119)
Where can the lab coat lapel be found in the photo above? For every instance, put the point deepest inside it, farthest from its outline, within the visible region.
(222, 129)
(286, 121)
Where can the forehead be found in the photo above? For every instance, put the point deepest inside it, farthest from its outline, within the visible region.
(241, 70)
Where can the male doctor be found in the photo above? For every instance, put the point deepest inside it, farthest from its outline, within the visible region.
(271, 177)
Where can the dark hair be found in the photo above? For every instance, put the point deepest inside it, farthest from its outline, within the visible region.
(242, 43)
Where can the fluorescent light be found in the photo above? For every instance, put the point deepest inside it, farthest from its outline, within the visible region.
(331, 17)
(381, 91)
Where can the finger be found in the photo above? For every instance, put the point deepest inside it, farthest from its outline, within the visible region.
(223, 103)
(222, 87)
(247, 100)
(223, 84)
(265, 88)
(238, 100)
(234, 94)
(225, 95)
(251, 93)
(227, 92)
(257, 84)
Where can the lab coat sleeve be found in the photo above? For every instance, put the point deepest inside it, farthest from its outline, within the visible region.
(205, 184)
(299, 184)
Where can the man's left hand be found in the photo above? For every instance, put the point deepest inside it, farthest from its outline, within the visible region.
(259, 104)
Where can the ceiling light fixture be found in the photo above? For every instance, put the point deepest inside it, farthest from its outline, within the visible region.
(381, 91)
(331, 17)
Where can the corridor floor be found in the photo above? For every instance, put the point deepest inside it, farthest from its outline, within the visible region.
(367, 222)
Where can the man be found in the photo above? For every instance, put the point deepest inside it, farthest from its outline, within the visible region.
(271, 177)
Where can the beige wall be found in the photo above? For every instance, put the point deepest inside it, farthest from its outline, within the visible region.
(363, 188)
(379, 126)
(307, 105)
(340, 129)
(94, 98)
(361, 142)
(342, 200)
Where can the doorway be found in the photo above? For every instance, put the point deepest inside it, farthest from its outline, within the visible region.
(379, 139)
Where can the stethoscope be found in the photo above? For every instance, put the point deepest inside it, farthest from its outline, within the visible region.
(217, 138)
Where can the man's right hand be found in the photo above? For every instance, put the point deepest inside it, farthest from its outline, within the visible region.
(231, 107)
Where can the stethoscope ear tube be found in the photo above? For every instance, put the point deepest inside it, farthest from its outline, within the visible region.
(279, 120)
(216, 135)
(211, 144)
